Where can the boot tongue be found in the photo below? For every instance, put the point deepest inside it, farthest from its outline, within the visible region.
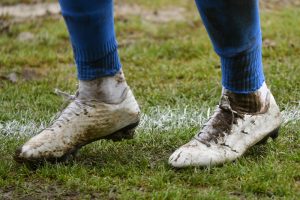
(111, 90)
(225, 103)
(255, 102)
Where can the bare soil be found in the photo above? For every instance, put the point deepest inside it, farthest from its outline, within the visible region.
(39, 8)
(24, 11)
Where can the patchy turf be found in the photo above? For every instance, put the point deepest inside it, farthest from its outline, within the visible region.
(169, 66)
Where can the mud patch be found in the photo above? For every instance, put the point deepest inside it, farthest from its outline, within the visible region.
(32, 10)
(24, 11)
(26, 74)
(39, 189)
(278, 4)
(123, 10)
(159, 16)
(26, 37)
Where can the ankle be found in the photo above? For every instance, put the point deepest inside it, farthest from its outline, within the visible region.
(106, 89)
(254, 102)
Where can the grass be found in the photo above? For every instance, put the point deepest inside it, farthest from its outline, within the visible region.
(165, 66)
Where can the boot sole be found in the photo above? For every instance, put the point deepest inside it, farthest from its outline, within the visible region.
(125, 133)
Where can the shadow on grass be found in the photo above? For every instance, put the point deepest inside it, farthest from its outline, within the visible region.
(145, 154)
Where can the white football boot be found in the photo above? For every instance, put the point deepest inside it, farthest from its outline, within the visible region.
(86, 119)
(239, 122)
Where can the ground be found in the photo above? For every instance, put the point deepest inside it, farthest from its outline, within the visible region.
(175, 75)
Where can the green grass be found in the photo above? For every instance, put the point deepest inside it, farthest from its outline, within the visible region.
(169, 64)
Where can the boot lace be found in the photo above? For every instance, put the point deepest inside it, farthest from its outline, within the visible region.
(75, 107)
(219, 124)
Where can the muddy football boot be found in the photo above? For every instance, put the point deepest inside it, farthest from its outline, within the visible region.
(239, 122)
(80, 123)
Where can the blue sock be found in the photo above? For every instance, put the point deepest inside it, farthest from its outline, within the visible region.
(234, 29)
(91, 27)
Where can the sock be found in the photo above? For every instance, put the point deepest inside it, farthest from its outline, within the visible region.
(91, 28)
(234, 29)
(254, 102)
(111, 90)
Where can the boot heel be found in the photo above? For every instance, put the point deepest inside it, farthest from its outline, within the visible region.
(126, 133)
(273, 134)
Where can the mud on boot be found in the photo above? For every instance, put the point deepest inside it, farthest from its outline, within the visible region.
(80, 123)
(238, 123)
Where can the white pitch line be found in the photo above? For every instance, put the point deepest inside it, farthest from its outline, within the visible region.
(15, 128)
(291, 114)
(167, 118)
(156, 119)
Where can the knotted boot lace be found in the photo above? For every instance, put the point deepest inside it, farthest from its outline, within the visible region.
(220, 124)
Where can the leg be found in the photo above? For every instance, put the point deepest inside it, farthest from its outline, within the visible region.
(91, 28)
(234, 29)
(247, 112)
(104, 106)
